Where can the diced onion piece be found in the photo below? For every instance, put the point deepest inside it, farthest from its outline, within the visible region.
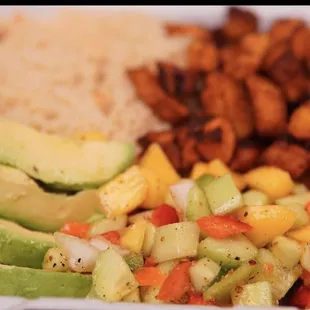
(80, 254)
(179, 193)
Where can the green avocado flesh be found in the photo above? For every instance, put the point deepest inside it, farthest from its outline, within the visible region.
(22, 247)
(34, 283)
(24, 202)
(61, 162)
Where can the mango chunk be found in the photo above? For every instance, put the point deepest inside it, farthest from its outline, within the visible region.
(217, 168)
(133, 237)
(123, 194)
(156, 191)
(273, 181)
(267, 222)
(301, 234)
(156, 160)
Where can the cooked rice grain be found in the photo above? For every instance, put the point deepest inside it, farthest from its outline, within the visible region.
(69, 74)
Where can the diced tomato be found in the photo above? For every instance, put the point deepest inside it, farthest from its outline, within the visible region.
(268, 268)
(76, 229)
(149, 262)
(306, 278)
(222, 226)
(301, 298)
(149, 276)
(308, 207)
(164, 215)
(197, 299)
(112, 236)
(176, 284)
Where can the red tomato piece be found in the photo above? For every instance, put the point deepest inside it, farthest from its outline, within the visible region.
(301, 298)
(76, 229)
(149, 276)
(112, 236)
(176, 284)
(164, 215)
(222, 226)
(197, 299)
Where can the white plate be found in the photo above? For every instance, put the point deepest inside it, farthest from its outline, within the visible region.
(208, 15)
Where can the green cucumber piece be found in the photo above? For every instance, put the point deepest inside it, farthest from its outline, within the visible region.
(256, 294)
(112, 277)
(197, 205)
(134, 261)
(255, 198)
(167, 266)
(203, 272)
(95, 218)
(230, 252)
(221, 291)
(300, 189)
(223, 195)
(105, 225)
(302, 216)
(301, 199)
(204, 180)
(287, 251)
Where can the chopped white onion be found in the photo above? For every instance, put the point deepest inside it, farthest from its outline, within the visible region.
(103, 244)
(179, 193)
(80, 254)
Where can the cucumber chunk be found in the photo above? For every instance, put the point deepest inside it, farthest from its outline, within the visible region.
(134, 296)
(305, 258)
(255, 198)
(302, 216)
(166, 267)
(257, 294)
(286, 250)
(231, 252)
(104, 225)
(301, 199)
(197, 205)
(149, 239)
(280, 278)
(221, 291)
(203, 272)
(223, 195)
(149, 295)
(112, 277)
(173, 241)
(134, 261)
(204, 180)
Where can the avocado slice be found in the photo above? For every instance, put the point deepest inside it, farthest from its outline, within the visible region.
(22, 247)
(62, 162)
(34, 283)
(24, 202)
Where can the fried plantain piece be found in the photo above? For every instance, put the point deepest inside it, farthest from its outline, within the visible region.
(175, 81)
(284, 29)
(189, 154)
(240, 22)
(243, 60)
(245, 157)
(290, 157)
(300, 43)
(218, 37)
(299, 124)
(270, 110)
(223, 96)
(203, 56)
(286, 70)
(160, 137)
(219, 140)
(174, 155)
(149, 91)
(194, 31)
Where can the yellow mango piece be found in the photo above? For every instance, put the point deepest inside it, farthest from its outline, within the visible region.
(156, 191)
(273, 181)
(123, 194)
(267, 222)
(132, 238)
(91, 136)
(156, 160)
(217, 168)
(301, 234)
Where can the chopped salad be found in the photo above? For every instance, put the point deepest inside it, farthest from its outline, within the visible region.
(201, 241)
